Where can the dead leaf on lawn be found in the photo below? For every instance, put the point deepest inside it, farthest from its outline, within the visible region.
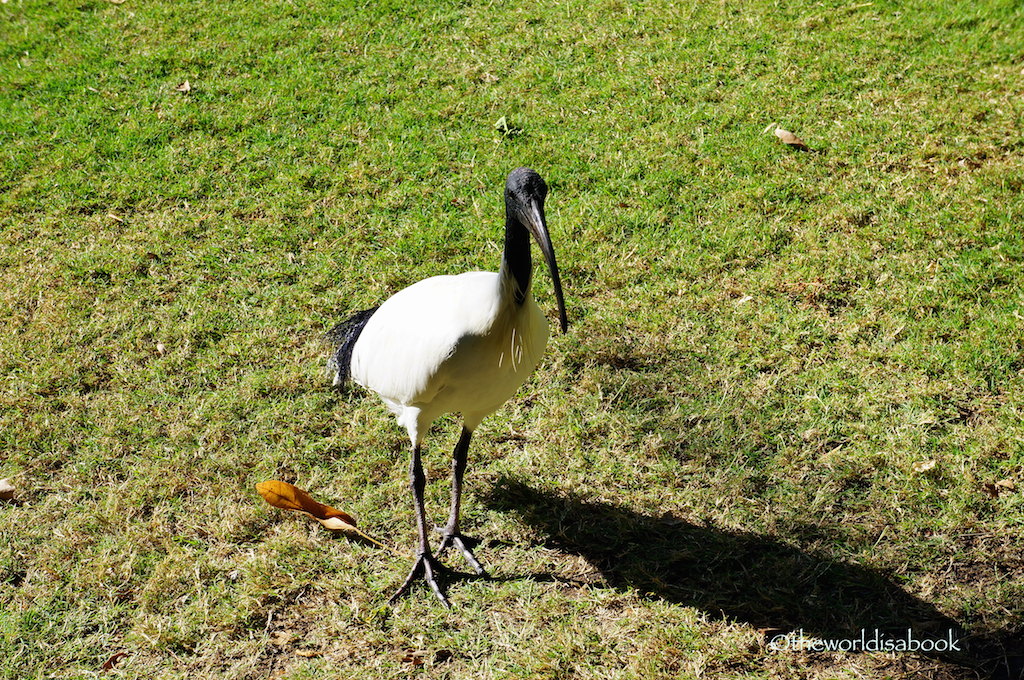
(416, 657)
(290, 497)
(770, 634)
(184, 87)
(112, 661)
(924, 465)
(787, 137)
(809, 434)
(1002, 486)
(6, 490)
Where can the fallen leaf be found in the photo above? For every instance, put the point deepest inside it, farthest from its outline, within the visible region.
(184, 87)
(993, 490)
(290, 497)
(808, 435)
(336, 524)
(6, 490)
(924, 465)
(414, 656)
(112, 661)
(789, 138)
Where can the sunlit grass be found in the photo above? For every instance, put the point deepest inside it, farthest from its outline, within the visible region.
(789, 392)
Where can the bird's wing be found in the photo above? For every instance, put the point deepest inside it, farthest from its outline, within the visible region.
(405, 344)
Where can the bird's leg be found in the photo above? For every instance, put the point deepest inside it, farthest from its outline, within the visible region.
(426, 564)
(451, 536)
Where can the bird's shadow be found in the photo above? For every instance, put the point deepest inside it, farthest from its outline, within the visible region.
(748, 578)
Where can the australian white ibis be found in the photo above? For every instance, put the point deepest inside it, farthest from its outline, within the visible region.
(455, 344)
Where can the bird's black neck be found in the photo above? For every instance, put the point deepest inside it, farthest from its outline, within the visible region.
(516, 264)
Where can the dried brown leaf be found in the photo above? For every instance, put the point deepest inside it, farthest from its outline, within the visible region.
(924, 465)
(416, 657)
(184, 87)
(1002, 486)
(808, 435)
(787, 137)
(113, 660)
(290, 497)
(339, 525)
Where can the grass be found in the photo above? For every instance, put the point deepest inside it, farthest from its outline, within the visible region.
(792, 382)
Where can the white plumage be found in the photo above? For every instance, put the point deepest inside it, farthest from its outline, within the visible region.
(449, 344)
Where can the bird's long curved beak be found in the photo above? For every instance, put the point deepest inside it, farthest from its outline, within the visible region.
(539, 228)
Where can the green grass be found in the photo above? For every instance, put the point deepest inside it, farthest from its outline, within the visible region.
(766, 345)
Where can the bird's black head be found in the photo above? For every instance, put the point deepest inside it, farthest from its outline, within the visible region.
(525, 185)
(525, 192)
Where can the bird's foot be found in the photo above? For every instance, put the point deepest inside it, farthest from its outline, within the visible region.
(454, 538)
(428, 567)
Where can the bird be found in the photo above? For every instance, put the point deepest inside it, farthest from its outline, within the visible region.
(460, 344)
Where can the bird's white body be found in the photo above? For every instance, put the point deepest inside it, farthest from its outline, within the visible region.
(449, 344)
(455, 344)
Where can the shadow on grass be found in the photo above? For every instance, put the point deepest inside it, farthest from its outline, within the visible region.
(749, 578)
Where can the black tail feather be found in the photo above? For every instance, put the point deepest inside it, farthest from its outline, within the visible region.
(343, 337)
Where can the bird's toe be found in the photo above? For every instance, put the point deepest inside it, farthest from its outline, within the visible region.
(461, 543)
(427, 567)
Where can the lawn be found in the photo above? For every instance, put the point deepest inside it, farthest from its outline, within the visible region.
(789, 401)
